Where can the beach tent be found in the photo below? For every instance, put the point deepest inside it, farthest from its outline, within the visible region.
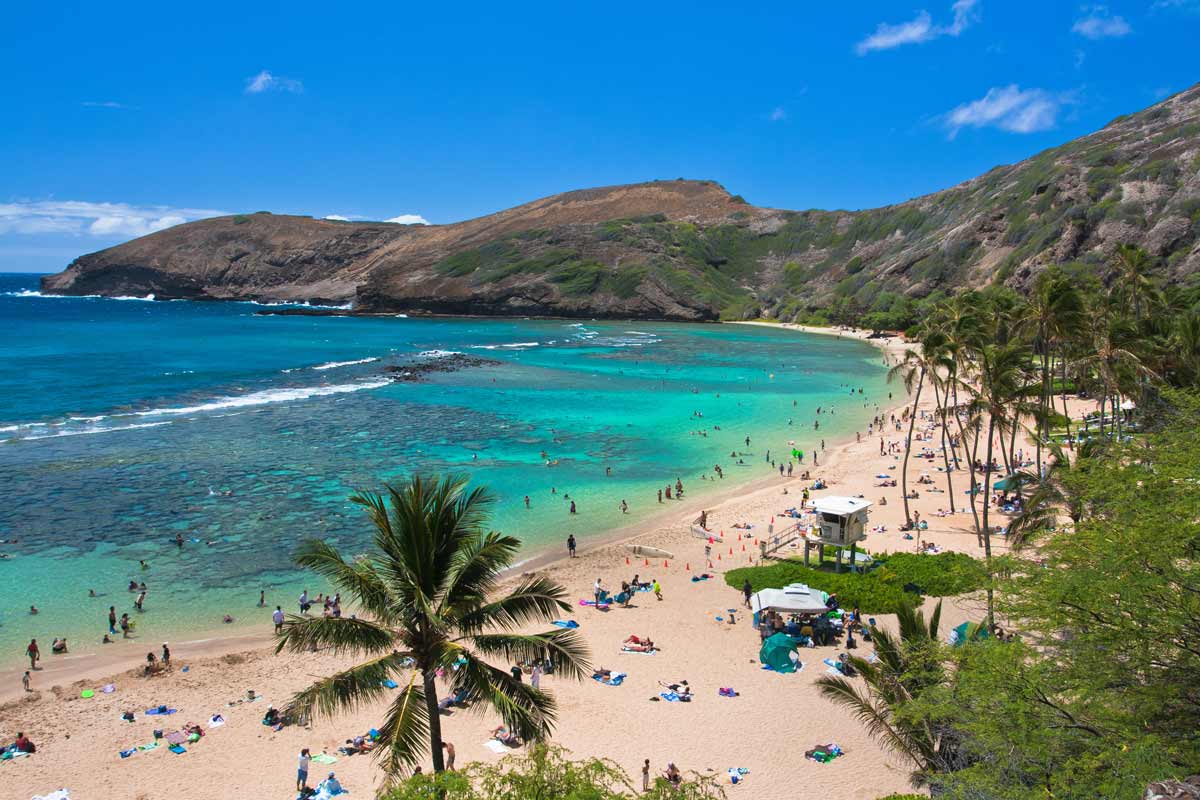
(794, 599)
(1008, 483)
(779, 653)
(967, 632)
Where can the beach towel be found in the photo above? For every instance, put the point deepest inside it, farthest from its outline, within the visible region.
(602, 606)
(494, 746)
(565, 623)
(698, 578)
(829, 662)
(128, 753)
(614, 679)
(108, 688)
(323, 758)
(737, 774)
(799, 667)
(61, 794)
(727, 691)
(177, 749)
(160, 711)
(176, 737)
(824, 753)
(670, 697)
(389, 684)
(145, 747)
(639, 652)
(215, 721)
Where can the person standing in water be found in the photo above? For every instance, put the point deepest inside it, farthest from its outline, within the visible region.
(527, 501)
(112, 619)
(262, 598)
(33, 652)
(624, 507)
(572, 506)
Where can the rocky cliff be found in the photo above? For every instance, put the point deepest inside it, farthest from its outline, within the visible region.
(688, 250)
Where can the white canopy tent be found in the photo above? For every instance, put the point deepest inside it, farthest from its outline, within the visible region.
(794, 599)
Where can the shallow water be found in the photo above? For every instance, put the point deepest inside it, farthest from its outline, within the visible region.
(125, 422)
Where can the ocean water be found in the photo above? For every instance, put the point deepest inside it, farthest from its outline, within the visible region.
(124, 422)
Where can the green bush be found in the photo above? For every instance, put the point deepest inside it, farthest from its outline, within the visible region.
(880, 591)
(240, 219)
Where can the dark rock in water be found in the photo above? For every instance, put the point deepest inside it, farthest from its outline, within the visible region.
(415, 371)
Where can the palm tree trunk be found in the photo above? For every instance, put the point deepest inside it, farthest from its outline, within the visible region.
(435, 720)
(912, 421)
(937, 398)
(1066, 410)
(986, 532)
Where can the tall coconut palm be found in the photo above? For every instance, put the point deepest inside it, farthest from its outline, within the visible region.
(1114, 362)
(914, 368)
(1052, 498)
(1135, 285)
(906, 665)
(1000, 389)
(427, 602)
(1054, 314)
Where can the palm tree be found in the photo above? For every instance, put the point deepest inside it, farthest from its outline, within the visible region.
(906, 665)
(426, 597)
(1113, 361)
(917, 364)
(1055, 313)
(1133, 266)
(1000, 391)
(1053, 497)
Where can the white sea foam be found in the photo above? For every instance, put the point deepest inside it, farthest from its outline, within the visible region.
(438, 353)
(89, 431)
(35, 293)
(336, 364)
(265, 397)
(509, 346)
(147, 299)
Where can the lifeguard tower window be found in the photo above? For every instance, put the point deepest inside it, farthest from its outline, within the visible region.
(831, 518)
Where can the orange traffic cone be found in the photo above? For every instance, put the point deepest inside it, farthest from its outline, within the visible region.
(718, 556)
(743, 548)
(627, 561)
(687, 567)
(665, 564)
(646, 562)
(756, 542)
(710, 566)
(731, 551)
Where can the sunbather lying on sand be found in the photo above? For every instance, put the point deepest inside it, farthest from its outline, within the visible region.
(506, 737)
(639, 644)
(682, 689)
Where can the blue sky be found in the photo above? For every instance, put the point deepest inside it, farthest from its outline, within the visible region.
(122, 118)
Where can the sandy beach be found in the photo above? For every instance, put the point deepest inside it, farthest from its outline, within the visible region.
(765, 729)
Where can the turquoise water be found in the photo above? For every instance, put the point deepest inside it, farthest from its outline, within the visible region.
(125, 422)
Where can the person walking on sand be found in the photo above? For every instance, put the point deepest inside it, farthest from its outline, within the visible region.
(571, 545)
(277, 618)
(535, 677)
(657, 589)
(646, 775)
(598, 592)
(748, 591)
(33, 652)
(166, 656)
(25, 681)
(302, 772)
(449, 748)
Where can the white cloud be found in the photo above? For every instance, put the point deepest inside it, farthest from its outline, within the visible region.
(266, 82)
(1008, 108)
(777, 114)
(337, 218)
(77, 217)
(408, 219)
(919, 29)
(103, 104)
(1098, 23)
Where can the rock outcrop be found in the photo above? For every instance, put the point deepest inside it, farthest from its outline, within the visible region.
(688, 250)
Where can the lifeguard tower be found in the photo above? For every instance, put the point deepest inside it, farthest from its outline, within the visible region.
(839, 522)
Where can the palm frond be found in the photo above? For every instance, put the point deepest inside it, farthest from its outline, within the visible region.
(347, 690)
(536, 599)
(565, 647)
(358, 579)
(342, 635)
(404, 734)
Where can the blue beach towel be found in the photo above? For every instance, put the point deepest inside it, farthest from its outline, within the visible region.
(128, 753)
(670, 697)
(565, 623)
(160, 711)
(613, 680)
(177, 749)
(389, 684)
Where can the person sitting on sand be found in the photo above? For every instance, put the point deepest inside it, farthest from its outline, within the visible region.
(271, 717)
(506, 737)
(23, 745)
(330, 786)
(673, 775)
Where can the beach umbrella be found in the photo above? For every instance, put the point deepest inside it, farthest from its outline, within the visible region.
(779, 653)
(967, 632)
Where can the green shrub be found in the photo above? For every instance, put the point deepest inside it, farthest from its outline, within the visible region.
(880, 591)
(240, 219)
